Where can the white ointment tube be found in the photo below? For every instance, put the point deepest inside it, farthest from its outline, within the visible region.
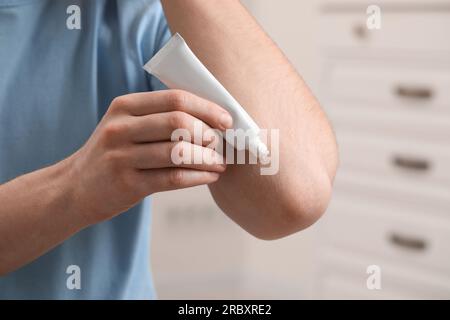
(178, 68)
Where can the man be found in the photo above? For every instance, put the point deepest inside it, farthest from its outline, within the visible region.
(83, 139)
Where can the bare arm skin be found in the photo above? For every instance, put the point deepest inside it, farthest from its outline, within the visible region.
(238, 52)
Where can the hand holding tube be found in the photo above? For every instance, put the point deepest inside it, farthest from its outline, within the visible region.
(129, 155)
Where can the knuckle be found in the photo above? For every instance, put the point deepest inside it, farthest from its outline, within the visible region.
(114, 159)
(120, 102)
(110, 130)
(176, 177)
(178, 119)
(177, 99)
(115, 129)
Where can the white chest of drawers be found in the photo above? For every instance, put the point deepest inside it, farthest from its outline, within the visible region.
(387, 93)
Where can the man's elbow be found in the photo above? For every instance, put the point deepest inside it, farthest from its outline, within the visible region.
(296, 211)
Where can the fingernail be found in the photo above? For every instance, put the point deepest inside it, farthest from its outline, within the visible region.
(226, 121)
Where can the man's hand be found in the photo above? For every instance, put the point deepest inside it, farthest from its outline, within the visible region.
(127, 158)
(129, 155)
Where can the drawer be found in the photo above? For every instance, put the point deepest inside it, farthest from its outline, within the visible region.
(429, 199)
(411, 101)
(343, 275)
(412, 162)
(388, 231)
(391, 86)
(407, 30)
(403, 125)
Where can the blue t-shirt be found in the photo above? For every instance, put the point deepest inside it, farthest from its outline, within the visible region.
(56, 82)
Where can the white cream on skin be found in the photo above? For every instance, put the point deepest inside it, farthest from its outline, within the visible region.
(178, 68)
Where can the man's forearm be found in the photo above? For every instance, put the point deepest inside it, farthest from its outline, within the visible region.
(232, 45)
(36, 213)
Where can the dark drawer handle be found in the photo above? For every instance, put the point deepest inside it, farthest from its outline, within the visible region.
(360, 31)
(409, 243)
(411, 163)
(417, 93)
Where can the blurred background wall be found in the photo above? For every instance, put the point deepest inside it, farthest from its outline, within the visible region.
(387, 93)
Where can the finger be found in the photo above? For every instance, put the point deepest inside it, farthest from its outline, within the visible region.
(164, 127)
(175, 154)
(166, 179)
(144, 103)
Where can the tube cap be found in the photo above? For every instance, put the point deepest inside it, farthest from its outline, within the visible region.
(258, 148)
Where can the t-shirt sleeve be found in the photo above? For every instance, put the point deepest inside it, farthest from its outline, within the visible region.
(144, 31)
(161, 37)
(153, 32)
